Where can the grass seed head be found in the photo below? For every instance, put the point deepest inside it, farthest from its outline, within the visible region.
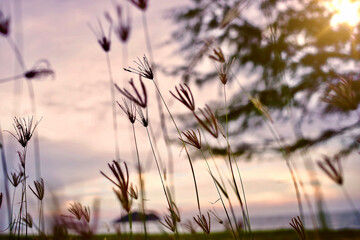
(171, 219)
(124, 199)
(144, 118)
(104, 41)
(24, 130)
(16, 178)
(298, 226)
(341, 95)
(40, 189)
(136, 97)
(41, 69)
(4, 24)
(190, 227)
(22, 158)
(129, 109)
(210, 123)
(185, 96)
(141, 4)
(28, 220)
(217, 55)
(192, 138)
(121, 177)
(123, 27)
(133, 192)
(224, 71)
(143, 69)
(203, 222)
(332, 169)
(76, 210)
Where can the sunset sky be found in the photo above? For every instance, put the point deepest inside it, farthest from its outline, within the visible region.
(76, 136)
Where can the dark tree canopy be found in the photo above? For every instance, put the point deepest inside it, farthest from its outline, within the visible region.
(306, 70)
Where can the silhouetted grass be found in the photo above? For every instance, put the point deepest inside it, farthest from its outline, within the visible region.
(286, 234)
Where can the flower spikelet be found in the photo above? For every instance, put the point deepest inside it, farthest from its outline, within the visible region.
(332, 168)
(210, 123)
(143, 69)
(185, 96)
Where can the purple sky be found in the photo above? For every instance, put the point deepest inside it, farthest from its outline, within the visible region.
(76, 136)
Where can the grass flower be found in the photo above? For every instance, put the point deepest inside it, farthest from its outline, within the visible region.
(128, 109)
(232, 14)
(261, 107)
(28, 220)
(104, 41)
(192, 138)
(341, 95)
(16, 178)
(133, 192)
(224, 71)
(190, 227)
(123, 27)
(79, 212)
(217, 55)
(210, 123)
(121, 177)
(332, 168)
(40, 189)
(143, 69)
(80, 219)
(297, 224)
(24, 130)
(141, 4)
(124, 199)
(185, 96)
(4, 24)
(137, 98)
(22, 158)
(144, 118)
(41, 69)
(203, 222)
(171, 219)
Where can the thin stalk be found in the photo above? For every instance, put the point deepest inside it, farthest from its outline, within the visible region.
(240, 178)
(306, 196)
(141, 182)
(161, 179)
(40, 217)
(187, 153)
(13, 78)
(12, 206)
(222, 181)
(112, 95)
(281, 144)
(161, 112)
(130, 225)
(6, 183)
(217, 189)
(158, 168)
(351, 203)
(17, 52)
(36, 133)
(26, 206)
(278, 139)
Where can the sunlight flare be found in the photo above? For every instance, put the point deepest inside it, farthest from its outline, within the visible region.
(345, 12)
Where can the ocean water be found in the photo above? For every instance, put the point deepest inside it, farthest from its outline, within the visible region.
(339, 220)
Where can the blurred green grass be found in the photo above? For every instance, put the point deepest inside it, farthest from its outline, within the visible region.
(258, 235)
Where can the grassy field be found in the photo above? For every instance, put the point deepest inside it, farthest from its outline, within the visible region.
(258, 235)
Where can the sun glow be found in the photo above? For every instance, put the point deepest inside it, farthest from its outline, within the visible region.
(345, 11)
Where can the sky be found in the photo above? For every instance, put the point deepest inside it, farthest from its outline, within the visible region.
(75, 132)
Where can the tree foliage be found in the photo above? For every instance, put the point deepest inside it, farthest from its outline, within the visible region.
(297, 58)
